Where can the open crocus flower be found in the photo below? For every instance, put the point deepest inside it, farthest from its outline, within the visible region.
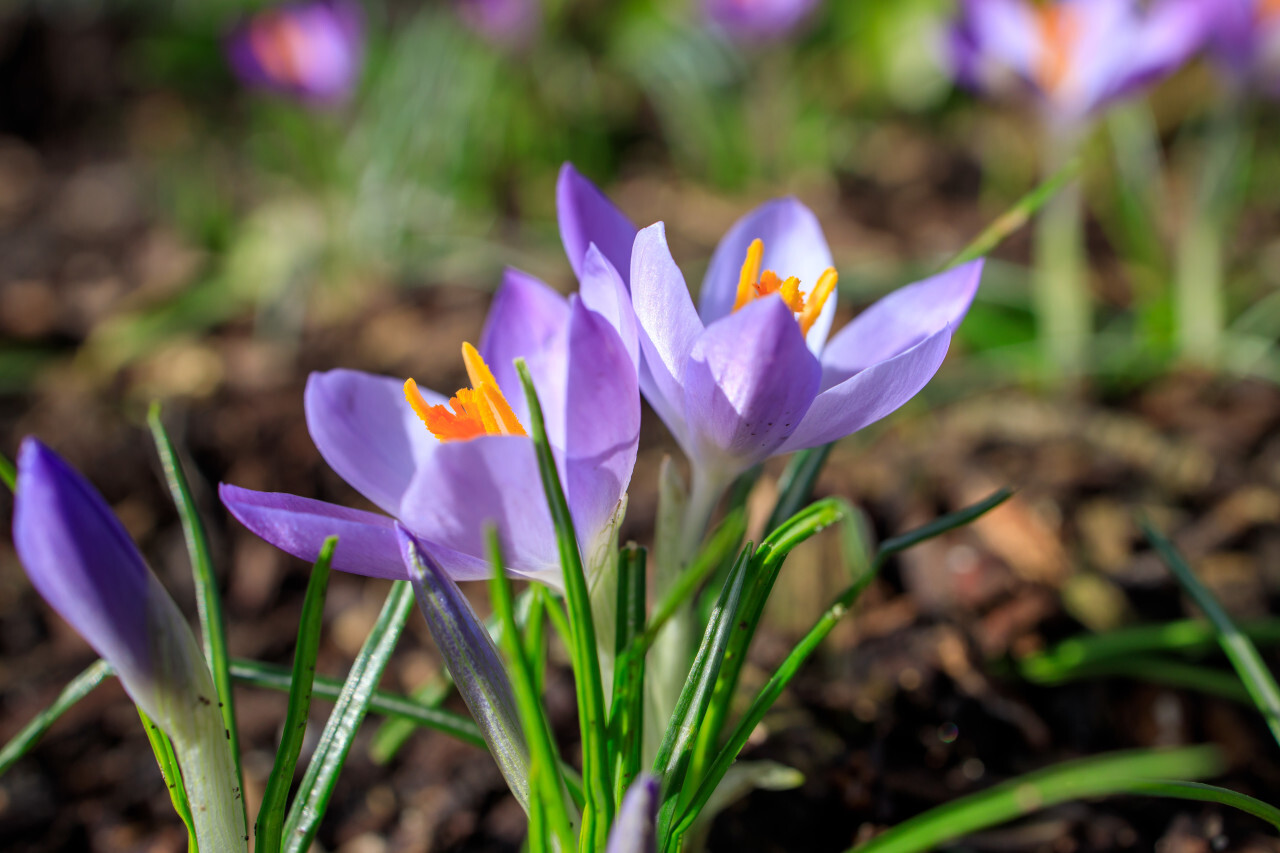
(1075, 56)
(758, 20)
(447, 467)
(311, 51)
(1246, 41)
(81, 560)
(751, 374)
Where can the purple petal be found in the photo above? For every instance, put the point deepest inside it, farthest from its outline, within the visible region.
(473, 661)
(587, 216)
(366, 540)
(899, 321)
(748, 383)
(524, 320)
(366, 431)
(634, 829)
(868, 396)
(794, 245)
(1165, 39)
(604, 292)
(312, 50)
(668, 325)
(506, 23)
(467, 485)
(603, 424)
(82, 562)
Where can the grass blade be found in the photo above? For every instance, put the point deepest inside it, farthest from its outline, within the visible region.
(275, 798)
(1158, 669)
(348, 712)
(675, 755)
(78, 688)
(1239, 649)
(547, 814)
(1210, 794)
(1017, 216)
(1099, 776)
(626, 716)
(8, 473)
(796, 484)
(592, 715)
(213, 628)
(826, 622)
(393, 705)
(168, 761)
(394, 732)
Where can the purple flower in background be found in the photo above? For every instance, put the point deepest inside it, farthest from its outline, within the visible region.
(1075, 56)
(311, 51)
(1246, 40)
(81, 560)
(508, 23)
(635, 828)
(446, 468)
(750, 373)
(758, 20)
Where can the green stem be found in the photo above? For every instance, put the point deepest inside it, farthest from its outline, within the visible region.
(1060, 292)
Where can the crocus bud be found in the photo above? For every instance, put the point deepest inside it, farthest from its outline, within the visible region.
(634, 828)
(758, 20)
(80, 559)
(310, 51)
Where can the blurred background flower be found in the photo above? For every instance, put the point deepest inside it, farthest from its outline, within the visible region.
(311, 51)
(507, 23)
(761, 20)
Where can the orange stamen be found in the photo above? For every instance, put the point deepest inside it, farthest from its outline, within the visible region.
(1059, 31)
(1268, 10)
(753, 284)
(479, 410)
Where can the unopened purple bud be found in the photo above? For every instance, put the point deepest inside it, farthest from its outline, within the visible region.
(310, 51)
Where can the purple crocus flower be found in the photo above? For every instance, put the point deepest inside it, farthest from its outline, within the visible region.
(447, 467)
(1246, 41)
(310, 50)
(750, 373)
(634, 829)
(81, 560)
(1074, 56)
(506, 23)
(758, 20)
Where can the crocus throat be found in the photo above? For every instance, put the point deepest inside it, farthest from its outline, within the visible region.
(1268, 11)
(1059, 30)
(753, 284)
(476, 411)
(280, 44)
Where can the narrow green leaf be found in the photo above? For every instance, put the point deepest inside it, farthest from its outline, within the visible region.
(826, 622)
(1018, 215)
(78, 688)
(1210, 794)
(592, 715)
(275, 798)
(533, 625)
(675, 755)
(213, 628)
(391, 736)
(626, 716)
(348, 712)
(168, 762)
(391, 705)
(548, 817)
(1098, 776)
(796, 484)
(8, 474)
(1239, 649)
(1157, 669)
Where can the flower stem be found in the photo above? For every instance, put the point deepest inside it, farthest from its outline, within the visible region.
(1060, 293)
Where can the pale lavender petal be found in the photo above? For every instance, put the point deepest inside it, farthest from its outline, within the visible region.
(668, 325)
(472, 660)
(1006, 32)
(524, 321)
(794, 245)
(634, 829)
(899, 321)
(603, 423)
(82, 562)
(587, 216)
(868, 396)
(748, 383)
(366, 431)
(1170, 33)
(604, 292)
(298, 526)
(467, 485)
